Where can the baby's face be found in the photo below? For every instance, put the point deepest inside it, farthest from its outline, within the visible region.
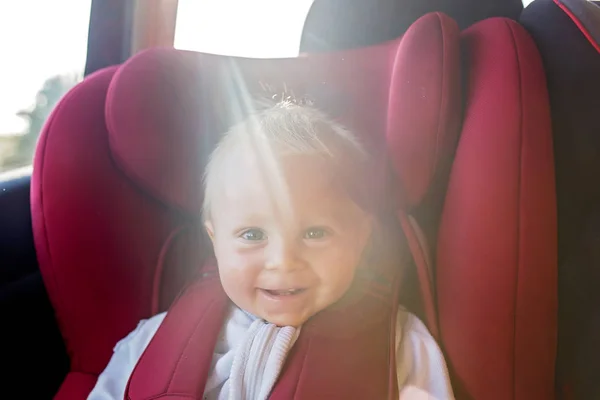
(287, 242)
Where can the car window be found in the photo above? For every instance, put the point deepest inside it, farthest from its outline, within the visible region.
(44, 45)
(256, 28)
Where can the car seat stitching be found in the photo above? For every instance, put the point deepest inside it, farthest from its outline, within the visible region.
(438, 135)
(519, 191)
(160, 267)
(580, 25)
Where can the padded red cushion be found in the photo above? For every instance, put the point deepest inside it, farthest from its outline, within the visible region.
(97, 237)
(166, 107)
(425, 104)
(497, 262)
(122, 156)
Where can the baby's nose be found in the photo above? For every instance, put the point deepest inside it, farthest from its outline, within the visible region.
(284, 257)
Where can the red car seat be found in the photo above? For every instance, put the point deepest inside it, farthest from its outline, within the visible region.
(116, 190)
(567, 33)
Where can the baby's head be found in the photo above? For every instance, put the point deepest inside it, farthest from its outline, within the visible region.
(283, 207)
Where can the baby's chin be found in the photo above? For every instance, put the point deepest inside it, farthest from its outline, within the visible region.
(282, 320)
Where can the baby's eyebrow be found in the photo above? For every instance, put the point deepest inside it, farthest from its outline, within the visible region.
(332, 214)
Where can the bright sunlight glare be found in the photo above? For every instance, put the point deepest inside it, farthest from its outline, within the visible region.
(244, 28)
(38, 39)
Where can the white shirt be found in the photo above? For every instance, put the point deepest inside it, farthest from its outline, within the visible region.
(419, 361)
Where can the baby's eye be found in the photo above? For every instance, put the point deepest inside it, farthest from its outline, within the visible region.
(315, 233)
(253, 234)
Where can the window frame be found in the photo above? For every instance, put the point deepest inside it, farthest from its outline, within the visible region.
(153, 24)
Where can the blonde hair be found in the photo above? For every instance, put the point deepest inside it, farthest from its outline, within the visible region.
(283, 128)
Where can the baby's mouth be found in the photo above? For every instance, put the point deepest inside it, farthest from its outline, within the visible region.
(284, 292)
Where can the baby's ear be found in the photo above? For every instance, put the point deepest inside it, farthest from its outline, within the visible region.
(210, 230)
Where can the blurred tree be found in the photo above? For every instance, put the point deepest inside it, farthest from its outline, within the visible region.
(46, 99)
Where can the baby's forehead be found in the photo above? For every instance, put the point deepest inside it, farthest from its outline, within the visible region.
(288, 181)
(310, 173)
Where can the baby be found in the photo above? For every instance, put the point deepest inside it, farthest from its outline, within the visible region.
(292, 222)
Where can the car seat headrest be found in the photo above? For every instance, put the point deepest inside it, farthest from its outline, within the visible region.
(586, 15)
(165, 108)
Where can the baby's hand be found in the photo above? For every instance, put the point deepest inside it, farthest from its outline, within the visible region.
(414, 393)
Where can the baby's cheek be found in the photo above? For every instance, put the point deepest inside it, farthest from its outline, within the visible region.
(338, 272)
(239, 284)
(347, 269)
(239, 271)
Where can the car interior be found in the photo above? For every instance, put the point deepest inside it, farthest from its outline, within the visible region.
(486, 111)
